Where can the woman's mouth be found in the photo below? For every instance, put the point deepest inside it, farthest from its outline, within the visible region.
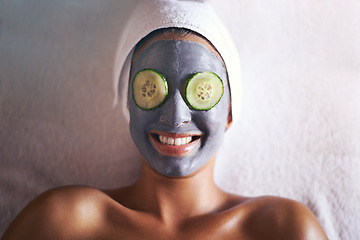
(174, 144)
(174, 141)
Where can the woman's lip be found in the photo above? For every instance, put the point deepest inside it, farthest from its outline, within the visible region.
(174, 147)
(176, 135)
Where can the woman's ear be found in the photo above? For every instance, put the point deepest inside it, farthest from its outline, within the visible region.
(229, 122)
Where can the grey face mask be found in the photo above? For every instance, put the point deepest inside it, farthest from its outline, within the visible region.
(177, 61)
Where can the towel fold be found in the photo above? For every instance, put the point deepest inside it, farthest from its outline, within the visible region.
(198, 16)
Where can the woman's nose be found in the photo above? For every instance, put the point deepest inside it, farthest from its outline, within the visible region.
(175, 111)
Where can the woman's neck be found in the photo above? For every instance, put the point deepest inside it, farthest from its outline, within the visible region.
(174, 199)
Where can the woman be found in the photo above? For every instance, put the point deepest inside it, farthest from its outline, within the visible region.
(180, 101)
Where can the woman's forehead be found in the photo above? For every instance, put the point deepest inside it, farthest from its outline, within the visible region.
(174, 36)
(176, 57)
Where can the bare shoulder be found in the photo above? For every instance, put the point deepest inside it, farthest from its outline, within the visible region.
(280, 218)
(61, 213)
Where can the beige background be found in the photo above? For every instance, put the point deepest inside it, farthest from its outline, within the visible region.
(298, 136)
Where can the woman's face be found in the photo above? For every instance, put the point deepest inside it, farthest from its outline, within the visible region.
(175, 119)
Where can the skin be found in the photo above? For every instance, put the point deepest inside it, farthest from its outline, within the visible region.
(162, 207)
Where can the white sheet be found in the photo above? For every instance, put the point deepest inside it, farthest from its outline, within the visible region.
(298, 135)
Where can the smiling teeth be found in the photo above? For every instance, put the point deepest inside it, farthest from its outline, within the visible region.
(175, 141)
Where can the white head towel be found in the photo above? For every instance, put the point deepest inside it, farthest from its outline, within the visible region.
(198, 16)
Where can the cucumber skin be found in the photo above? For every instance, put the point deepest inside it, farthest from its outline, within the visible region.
(186, 90)
(165, 83)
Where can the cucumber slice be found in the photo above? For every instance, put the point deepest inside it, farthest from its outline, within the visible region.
(204, 90)
(149, 89)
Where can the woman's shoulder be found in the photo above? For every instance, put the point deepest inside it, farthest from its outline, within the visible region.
(270, 217)
(58, 212)
(77, 200)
